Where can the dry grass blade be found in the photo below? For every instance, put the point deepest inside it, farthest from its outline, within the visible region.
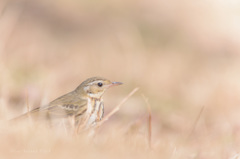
(236, 156)
(81, 126)
(195, 122)
(28, 107)
(118, 106)
(149, 121)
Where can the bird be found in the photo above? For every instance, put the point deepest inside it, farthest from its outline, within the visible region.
(84, 105)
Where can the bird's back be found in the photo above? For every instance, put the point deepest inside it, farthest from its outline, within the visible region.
(63, 107)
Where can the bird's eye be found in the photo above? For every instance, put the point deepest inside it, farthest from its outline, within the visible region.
(100, 84)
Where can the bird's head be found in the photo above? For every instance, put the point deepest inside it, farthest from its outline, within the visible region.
(95, 87)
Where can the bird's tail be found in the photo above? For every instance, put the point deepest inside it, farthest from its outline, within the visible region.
(21, 117)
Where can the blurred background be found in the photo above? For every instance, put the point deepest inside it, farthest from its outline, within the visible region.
(183, 55)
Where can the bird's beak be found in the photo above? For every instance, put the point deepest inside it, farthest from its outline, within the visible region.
(115, 84)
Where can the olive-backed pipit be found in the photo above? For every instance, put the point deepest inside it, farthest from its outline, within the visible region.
(84, 104)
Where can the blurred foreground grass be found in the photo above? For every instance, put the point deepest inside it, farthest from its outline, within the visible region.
(184, 56)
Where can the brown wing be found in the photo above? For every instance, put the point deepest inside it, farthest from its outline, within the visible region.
(64, 106)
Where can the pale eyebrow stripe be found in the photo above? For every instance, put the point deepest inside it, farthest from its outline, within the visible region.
(94, 82)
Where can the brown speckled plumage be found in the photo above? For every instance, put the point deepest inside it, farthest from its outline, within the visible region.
(85, 103)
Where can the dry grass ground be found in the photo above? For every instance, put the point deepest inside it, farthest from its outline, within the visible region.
(183, 55)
